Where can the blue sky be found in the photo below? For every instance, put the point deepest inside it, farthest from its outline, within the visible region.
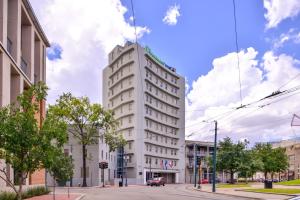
(205, 30)
(197, 37)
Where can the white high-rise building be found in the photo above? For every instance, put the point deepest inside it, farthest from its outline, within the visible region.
(148, 98)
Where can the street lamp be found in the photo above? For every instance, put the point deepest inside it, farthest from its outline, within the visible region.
(126, 158)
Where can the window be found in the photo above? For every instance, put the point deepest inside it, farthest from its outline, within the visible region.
(102, 154)
(129, 132)
(129, 119)
(166, 150)
(156, 149)
(129, 145)
(121, 96)
(106, 156)
(160, 149)
(156, 161)
(130, 106)
(146, 160)
(156, 137)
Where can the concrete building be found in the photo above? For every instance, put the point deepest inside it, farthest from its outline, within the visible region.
(292, 150)
(22, 61)
(96, 153)
(202, 151)
(147, 97)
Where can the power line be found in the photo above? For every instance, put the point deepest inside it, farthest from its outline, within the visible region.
(237, 50)
(289, 81)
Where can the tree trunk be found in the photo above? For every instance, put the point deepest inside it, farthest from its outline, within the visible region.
(246, 178)
(84, 165)
(231, 177)
(266, 174)
(20, 179)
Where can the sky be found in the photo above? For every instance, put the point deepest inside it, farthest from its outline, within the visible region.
(198, 39)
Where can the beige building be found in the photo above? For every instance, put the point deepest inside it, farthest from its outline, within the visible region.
(96, 153)
(22, 60)
(147, 97)
(292, 150)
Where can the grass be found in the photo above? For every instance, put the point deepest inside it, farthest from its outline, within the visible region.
(237, 185)
(275, 191)
(290, 183)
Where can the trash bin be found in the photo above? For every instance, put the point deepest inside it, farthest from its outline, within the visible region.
(268, 184)
(120, 184)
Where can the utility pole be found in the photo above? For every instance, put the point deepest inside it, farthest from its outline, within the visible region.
(215, 158)
(195, 165)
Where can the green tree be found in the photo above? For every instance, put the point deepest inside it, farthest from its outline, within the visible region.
(273, 159)
(250, 164)
(230, 156)
(85, 120)
(24, 145)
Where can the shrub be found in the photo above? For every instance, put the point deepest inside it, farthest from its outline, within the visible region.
(31, 192)
(7, 196)
(35, 191)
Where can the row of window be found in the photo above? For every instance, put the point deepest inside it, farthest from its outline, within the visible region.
(161, 105)
(160, 83)
(161, 116)
(157, 137)
(120, 98)
(160, 127)
(161, 162)
(159, 70)
(126, 69)
(123, 108)
(122, 59)
(120, 86)
(161, 94)
(125, 119)
(161, 150)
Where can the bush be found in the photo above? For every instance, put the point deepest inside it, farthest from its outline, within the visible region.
(31, 192)
(35, 191)
(7, 196)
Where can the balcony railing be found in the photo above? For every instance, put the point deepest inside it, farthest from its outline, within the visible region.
(24, 65)
(198, 154)
(9, 45)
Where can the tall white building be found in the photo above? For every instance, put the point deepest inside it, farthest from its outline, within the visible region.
(147, 97)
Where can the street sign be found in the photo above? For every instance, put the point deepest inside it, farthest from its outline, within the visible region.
(103, 165)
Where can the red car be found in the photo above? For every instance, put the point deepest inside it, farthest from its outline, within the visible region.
(156, 181)
(204, 181)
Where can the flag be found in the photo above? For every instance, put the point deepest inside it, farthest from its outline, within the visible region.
(162, 164)
(166, 164)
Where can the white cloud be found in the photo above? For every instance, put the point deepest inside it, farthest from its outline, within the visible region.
(217, 94)
(171, 15)
(86, 31)
(278, 10)
(291, 35)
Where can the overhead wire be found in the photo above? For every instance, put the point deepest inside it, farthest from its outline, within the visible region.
(237, 50)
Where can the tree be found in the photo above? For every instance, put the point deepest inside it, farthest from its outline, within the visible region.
(250, 164)
(24, 145)
(85, 120)
(273, 159)
(230, 156)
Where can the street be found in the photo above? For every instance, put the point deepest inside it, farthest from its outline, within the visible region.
(169, 192)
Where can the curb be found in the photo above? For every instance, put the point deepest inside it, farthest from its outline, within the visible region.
(231, 195)
(291, 195)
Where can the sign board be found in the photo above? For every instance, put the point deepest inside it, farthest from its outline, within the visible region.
(103, 165)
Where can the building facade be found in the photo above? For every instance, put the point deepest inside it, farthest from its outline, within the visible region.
(147, 97)
(22, 61)
(96, 153)
(202, 151)
(292, 150)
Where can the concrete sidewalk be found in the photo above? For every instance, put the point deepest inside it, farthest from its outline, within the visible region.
(57, 197)
(234, 192)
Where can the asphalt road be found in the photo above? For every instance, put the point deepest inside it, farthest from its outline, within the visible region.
(169, 192)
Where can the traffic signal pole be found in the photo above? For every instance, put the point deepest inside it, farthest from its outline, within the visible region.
(215, 158)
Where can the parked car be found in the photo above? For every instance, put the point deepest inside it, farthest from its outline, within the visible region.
(156, 181)
(203, 181)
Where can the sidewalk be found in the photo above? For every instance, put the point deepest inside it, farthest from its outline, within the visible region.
(57, 197)
(234, 192)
